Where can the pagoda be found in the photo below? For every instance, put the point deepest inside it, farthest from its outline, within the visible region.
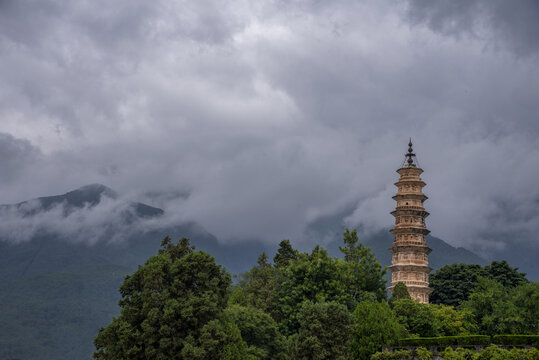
(410, 263)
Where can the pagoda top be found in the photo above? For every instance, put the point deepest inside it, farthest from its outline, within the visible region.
(410, 155)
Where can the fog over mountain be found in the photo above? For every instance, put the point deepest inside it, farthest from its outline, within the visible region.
(63, 258)
(259, 119)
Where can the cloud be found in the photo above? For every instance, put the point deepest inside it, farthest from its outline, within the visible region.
(510, 25)
(91, 214)
(274, 114)
(15, 156)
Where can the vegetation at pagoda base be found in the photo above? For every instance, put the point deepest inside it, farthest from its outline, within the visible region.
(375, 326)
(182, 305)
(400, 291)
(492, 352)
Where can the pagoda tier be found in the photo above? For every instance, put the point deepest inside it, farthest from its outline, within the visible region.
(410, 263)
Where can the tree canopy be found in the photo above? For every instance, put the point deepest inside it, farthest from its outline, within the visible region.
(375, 326)
(170, 308)
(285, 254)
(324, 329)
(305, 306)
(453, 284)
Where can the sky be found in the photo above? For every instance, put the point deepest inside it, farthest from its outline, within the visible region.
(271, 115)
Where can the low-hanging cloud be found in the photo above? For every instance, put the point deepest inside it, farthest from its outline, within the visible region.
(273, 114)
(91, 214)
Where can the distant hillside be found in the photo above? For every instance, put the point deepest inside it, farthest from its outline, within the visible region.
(57, 289)
(59, 282)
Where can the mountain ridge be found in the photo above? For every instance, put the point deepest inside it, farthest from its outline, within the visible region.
(50, 272)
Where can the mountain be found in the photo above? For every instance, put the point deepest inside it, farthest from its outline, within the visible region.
(63, 258)
(59, 282)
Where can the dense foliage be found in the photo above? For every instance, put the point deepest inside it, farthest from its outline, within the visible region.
(501, 310)
(259, 331)
(516, 340)
(446, 340)
(375, 326)
(323, 332)
(492, 352)
(453, 284)
(307, 306)
(171, 307)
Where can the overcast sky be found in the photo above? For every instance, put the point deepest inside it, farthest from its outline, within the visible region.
(274, 113)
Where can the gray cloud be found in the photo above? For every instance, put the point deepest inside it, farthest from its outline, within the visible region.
(272, 115)
(15, 156)
(508, 24)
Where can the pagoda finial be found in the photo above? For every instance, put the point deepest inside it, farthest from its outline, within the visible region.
(410, 153)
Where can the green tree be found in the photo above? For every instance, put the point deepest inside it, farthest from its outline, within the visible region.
(285, 254)
(260, 285)
(312, 277)
(259, 331)
(363, 274)
(171, 306)
(218, 339)
(324, 329)
(501, 272)
(526, 299)
(374, 326)
(452, 284)
(452, 322)
(237, 297)
(400, 291)
(491, 305)
(417, 319)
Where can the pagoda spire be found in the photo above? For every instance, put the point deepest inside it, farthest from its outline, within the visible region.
(410, 263)
(410, 155)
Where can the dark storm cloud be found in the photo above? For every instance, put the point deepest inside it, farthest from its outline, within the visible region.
(272, 114)
(509, 24)
(15, 155)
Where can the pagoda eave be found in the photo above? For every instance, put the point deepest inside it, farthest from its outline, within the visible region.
(408, 168)
(410, 196)
(410, 182)
(409, 230)
(424, 289)
(421, 248)
(410, 267)
(422, 213)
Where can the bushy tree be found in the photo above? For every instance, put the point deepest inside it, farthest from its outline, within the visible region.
(452, 284)
(417, 319)
(218, 339)
(526, 299)
(260, 285)
(315, 277)
(492, 307)
(363, 274)
(324, 330)
(171, 308)
(501, 272)
(259, 331)
(285, 254)
(452, 322)
(374, 326)
(400, 291)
